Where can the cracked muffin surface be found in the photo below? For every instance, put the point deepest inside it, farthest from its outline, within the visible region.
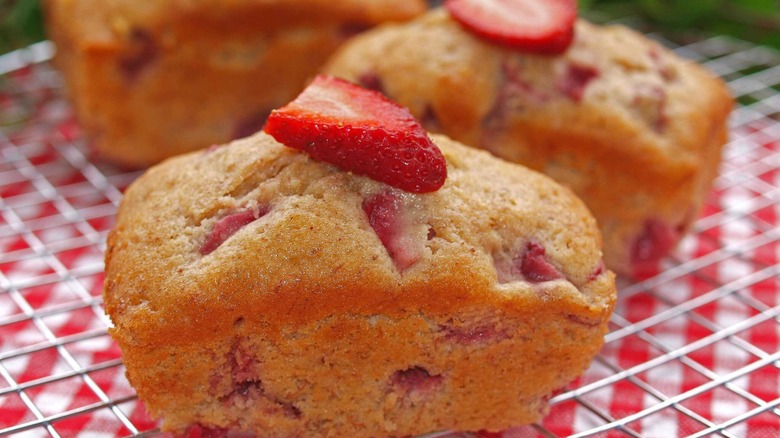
(254, 289)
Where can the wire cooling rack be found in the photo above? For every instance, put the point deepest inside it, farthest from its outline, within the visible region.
(693, 349)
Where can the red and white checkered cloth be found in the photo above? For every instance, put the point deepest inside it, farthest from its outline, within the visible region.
(693, 348)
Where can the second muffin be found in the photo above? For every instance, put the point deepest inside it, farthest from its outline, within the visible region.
(633, 129)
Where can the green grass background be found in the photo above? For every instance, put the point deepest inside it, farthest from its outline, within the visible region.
(753, 20)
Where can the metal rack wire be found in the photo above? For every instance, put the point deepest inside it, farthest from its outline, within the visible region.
(693, 349)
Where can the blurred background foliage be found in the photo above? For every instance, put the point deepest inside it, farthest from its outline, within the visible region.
(21, 23)
(757, 21)
(753, 20)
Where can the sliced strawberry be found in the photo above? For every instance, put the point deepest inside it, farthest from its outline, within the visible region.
(360, 131)
(537, 26)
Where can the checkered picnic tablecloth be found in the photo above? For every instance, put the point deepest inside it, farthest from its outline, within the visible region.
(693, 349)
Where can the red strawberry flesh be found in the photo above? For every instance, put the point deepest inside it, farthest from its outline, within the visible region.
(535, 267)
(530, 265)
(576, 79)
(142, 52)
(249, 124)
(371, 81)
(386, 217)
(415, 379)
(536, 26)
(482, 334)
(656, 240)
(227, 226)
(360, 131)
(600, 269)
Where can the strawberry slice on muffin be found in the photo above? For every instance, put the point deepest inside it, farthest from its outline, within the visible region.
(361, 131)
(537, 26)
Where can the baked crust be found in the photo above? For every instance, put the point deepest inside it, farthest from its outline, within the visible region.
(301, 324)
(633, 129)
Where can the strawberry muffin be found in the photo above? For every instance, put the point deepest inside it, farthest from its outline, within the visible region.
(633, 129)
(344, 274)
(151, 79)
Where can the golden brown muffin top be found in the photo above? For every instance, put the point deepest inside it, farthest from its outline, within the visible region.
(312, 250)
